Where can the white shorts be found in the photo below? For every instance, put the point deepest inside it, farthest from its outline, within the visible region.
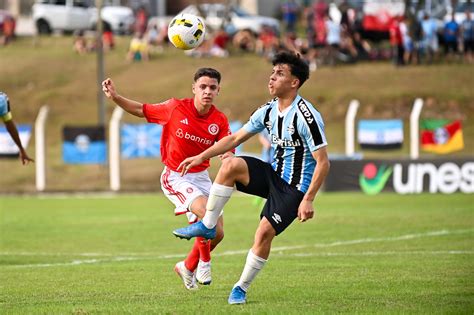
(183, 190)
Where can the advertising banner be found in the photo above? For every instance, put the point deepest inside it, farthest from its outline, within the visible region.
(140, 140)
(445, 176)
(84, 145)
(8, 148)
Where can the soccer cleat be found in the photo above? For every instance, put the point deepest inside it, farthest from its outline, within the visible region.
(186, 275)
(237, 296)
(195, 229)
(203, 272)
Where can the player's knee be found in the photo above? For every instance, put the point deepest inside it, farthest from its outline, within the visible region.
(230, 166)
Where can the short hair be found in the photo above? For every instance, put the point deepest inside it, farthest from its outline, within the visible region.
(298, 67)
(207, 72)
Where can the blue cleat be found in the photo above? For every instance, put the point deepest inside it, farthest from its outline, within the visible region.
(195, 229)
(237, 296)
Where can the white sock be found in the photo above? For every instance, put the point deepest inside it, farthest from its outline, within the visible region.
(252, 267)
(218, 197)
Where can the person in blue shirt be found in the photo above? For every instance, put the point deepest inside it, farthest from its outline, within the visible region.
(450, 37)
(6, 116)
(289, 183)
(468, 37)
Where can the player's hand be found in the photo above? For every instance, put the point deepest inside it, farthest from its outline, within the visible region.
(189, 163)
(25, 159)
(305, 210)
(226, 155)
(108, 87)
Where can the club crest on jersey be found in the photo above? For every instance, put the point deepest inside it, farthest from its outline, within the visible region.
(189, 190)
(268, 124)
(179, 133)
(213, 129)
(291, 129)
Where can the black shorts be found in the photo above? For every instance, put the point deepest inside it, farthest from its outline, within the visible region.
(283, 200)
(469, 46)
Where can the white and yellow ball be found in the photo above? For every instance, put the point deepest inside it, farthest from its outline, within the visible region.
(186, 31)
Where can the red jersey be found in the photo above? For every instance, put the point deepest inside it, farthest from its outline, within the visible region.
(185, 132)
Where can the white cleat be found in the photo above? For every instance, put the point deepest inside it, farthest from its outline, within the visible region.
(203, 272)
(186, 275)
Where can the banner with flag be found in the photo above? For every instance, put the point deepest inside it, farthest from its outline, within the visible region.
(8, 147)
(84, 145)
(380, 133)
(441, 136)
(140, 140)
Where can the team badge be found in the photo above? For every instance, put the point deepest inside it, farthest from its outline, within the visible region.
(179, 133)
(213, 129)
(189, 190)
(291, 129)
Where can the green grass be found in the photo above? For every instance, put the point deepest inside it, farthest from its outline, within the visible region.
(38, 71)
(115, 254)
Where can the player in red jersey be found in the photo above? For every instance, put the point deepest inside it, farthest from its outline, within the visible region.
(190, 126)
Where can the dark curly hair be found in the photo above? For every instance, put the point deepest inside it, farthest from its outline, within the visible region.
(298, 67)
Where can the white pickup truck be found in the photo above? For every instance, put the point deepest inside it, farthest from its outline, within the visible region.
(72, 15)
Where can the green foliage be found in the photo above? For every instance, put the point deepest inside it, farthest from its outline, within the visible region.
(115, 254)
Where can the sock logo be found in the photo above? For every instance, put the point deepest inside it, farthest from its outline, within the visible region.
(371, 180)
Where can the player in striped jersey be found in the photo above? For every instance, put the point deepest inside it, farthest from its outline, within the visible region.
(298, 168)
(7, 118)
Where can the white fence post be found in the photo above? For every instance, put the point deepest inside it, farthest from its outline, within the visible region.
(414, 129)
(114, 155)
(350, 118)
(40, 144)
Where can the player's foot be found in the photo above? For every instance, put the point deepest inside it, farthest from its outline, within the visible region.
(186, 275)
(237, 296)
(195, 229)
(203, 272)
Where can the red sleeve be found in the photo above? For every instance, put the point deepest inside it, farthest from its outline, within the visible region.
(160, 113)
(224, 129)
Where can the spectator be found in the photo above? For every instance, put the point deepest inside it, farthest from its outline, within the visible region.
(155, 38)
(396, 41)
(138, 49)
(80, 43)
(141, 20)
(8, 31)
(416, 33)
(267, 42)
(244, 40)
(407, 40)
(289, 10)
(450, 38)
(108, 41)
(430, 38)
(468, 37)
(333, 39)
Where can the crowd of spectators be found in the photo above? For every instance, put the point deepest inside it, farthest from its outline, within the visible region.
(311, 31)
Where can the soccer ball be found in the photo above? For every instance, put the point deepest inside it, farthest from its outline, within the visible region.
(186, 31)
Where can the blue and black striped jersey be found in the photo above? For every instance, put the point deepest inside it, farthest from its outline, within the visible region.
(5, 113)
(294, 134)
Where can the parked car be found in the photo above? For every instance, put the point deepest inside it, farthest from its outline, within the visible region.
(4, 17)
(72, 15)
(238, 17)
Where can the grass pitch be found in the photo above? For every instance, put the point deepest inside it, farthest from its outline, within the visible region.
(115, 254)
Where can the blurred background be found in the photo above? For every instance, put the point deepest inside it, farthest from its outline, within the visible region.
(382, 54)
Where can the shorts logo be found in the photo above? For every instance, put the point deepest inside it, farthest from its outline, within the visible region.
(179, 133)
(276, 217)
(189, 190)
(213, 129)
